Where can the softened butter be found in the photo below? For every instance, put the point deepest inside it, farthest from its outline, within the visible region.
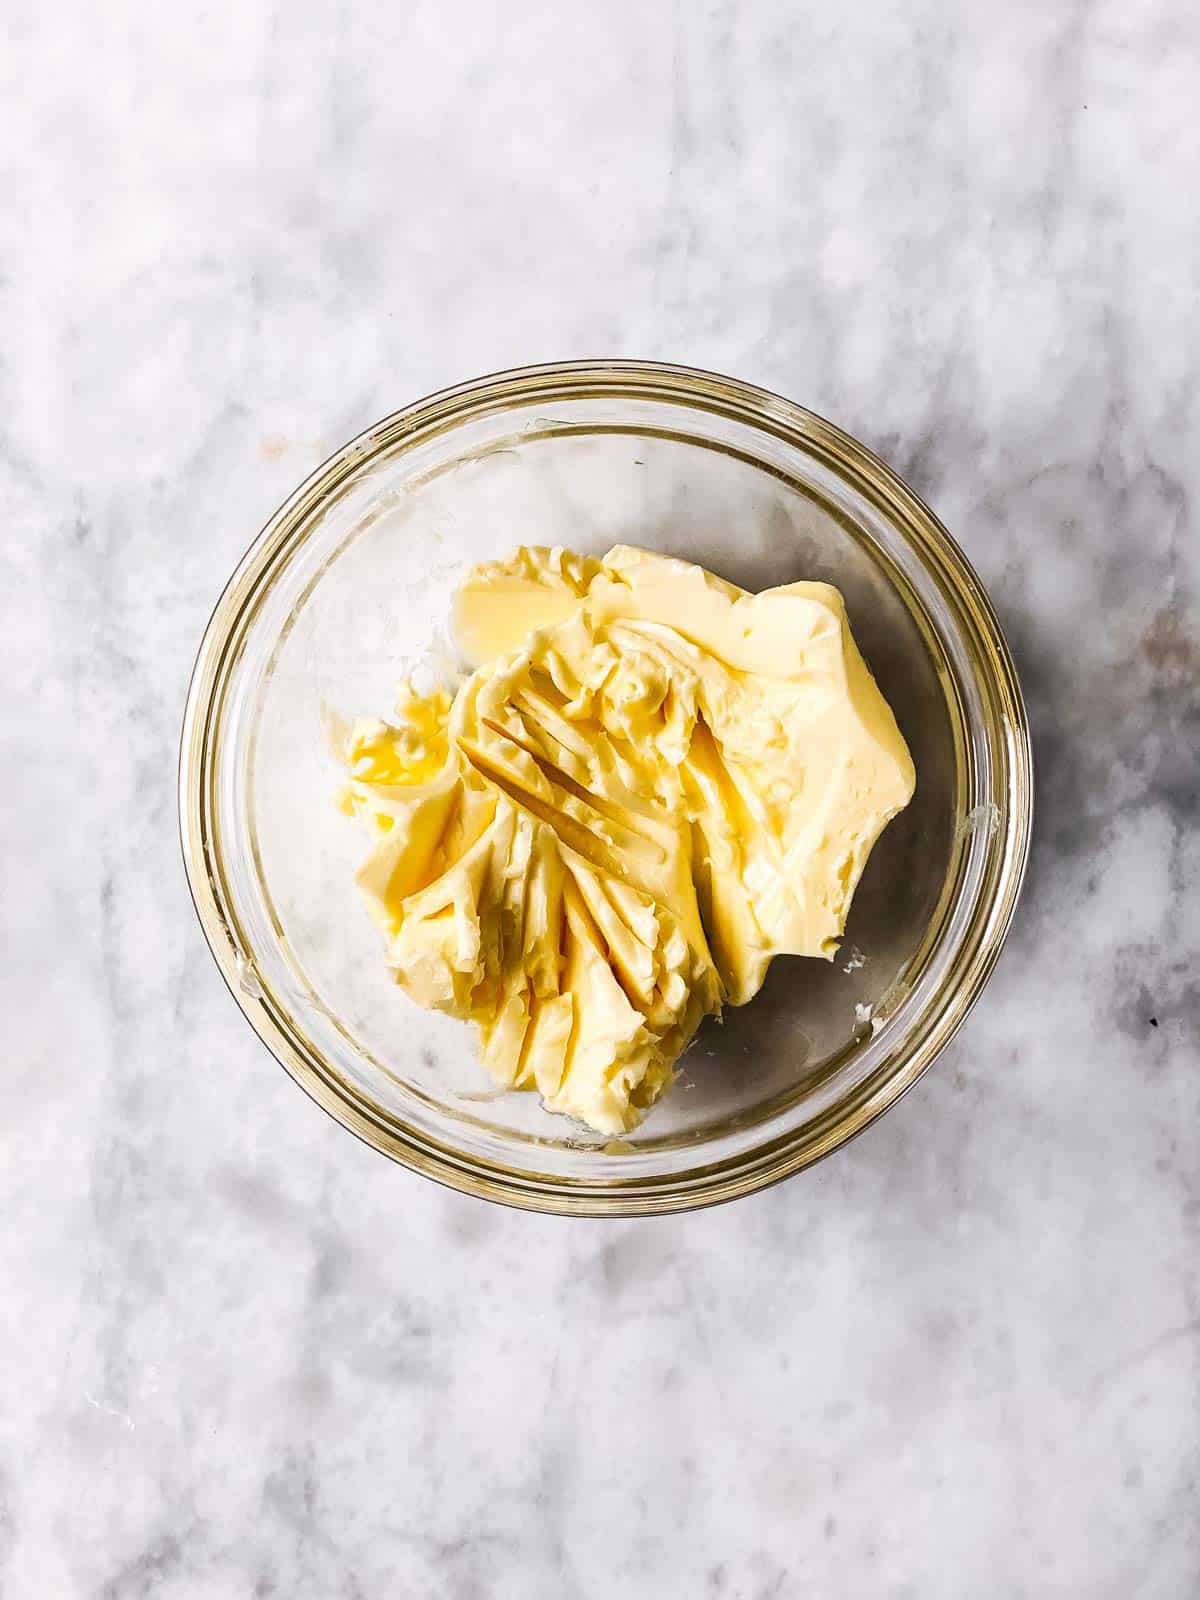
(651, 784)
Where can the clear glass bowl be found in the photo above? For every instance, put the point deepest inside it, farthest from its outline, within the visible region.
(348, 588)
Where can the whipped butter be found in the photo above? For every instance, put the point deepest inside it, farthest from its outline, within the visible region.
(651, 784)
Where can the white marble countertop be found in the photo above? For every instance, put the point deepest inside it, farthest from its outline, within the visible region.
(241, 1355)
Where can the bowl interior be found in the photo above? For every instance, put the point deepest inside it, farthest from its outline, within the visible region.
(363, 600)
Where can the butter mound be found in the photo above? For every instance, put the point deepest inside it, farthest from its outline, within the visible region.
(652, 783)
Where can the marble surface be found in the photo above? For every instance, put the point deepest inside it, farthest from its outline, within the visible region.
(240, 1355)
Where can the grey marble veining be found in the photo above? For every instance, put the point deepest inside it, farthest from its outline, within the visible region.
(240, 1355)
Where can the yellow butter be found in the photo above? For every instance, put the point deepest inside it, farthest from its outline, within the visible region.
(652, 783)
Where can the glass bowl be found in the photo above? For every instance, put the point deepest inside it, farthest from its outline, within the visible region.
(347, 589)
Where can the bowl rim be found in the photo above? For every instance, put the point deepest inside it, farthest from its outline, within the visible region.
(774, 1159)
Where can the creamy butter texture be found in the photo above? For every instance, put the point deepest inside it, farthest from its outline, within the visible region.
(652, 783)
